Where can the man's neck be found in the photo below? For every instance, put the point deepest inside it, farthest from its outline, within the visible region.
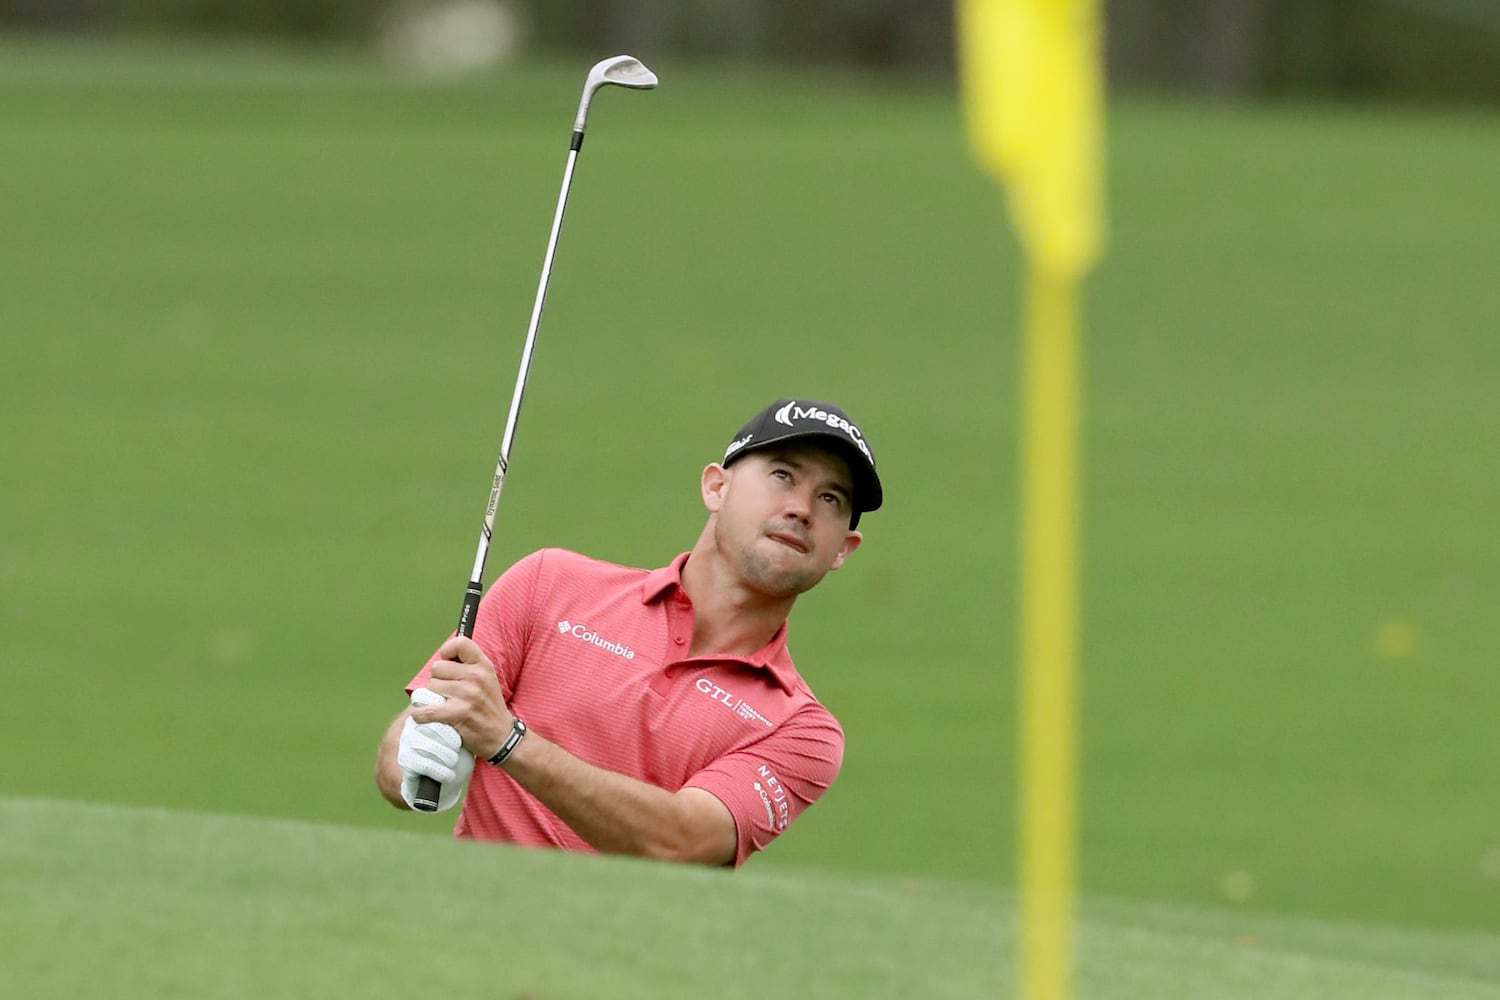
(727, 616)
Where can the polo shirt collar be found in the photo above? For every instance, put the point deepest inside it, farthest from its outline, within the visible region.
(773, 656)
(659, 581)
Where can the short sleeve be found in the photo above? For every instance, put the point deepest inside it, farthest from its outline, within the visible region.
(770, 783)
(503, 624)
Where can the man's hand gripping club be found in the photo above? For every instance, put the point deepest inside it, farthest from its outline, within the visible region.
(469, 702)
(432, 750)
(460, 709)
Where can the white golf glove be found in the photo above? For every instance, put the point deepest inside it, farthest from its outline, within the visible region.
(433, 750)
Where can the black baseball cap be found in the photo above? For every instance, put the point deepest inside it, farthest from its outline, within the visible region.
(799, 419)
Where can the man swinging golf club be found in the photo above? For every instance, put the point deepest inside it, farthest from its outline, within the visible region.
(663, 716)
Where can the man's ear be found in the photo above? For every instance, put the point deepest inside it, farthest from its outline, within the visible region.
(851, 542)
(715, 482)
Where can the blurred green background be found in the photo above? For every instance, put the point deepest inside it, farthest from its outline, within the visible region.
(262, 295)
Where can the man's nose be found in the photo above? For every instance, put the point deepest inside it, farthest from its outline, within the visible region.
(798, 504)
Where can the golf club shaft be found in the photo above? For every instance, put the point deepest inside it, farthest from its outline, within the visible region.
(428, 790)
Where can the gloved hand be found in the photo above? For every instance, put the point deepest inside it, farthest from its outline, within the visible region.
(433, 749)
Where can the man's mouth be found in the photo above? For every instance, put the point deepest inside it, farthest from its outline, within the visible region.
(790, 541)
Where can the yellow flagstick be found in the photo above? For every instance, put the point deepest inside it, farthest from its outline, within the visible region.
(1033, 90)
(1048, 630)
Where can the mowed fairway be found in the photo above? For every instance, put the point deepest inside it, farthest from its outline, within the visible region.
(259, 318)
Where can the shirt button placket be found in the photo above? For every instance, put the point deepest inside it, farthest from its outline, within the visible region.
(680, 621)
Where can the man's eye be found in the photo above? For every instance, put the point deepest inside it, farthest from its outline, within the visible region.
(782, 473)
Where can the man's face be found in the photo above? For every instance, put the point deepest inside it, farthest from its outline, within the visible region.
(782, 516)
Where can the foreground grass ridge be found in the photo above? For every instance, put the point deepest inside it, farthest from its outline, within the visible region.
(169, 903)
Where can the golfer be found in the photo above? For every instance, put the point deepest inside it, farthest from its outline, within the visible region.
(652, 712)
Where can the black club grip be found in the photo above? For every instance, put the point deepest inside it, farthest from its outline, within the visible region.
(428, 789)
(426, 799)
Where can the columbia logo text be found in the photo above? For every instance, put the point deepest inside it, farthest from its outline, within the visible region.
(578, 630)
(765, 800)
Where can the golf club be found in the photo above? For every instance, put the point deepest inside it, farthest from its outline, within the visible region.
(619, 71)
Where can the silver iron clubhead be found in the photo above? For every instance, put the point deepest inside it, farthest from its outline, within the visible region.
(618, 71)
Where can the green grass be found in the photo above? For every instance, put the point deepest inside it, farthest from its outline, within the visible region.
(171, 904)
(259, 317)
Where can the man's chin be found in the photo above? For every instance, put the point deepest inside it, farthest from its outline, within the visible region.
(778, 574)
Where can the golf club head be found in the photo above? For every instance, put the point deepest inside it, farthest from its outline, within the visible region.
(619, 71)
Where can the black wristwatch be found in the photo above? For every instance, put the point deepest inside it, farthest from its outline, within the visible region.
(517, 730)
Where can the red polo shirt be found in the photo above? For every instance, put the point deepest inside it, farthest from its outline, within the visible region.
(594, 657)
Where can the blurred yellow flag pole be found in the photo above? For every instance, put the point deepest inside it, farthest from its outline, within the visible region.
(1033, 94)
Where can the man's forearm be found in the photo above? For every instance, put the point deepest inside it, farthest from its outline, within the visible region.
(614, 813)
(618, 814)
